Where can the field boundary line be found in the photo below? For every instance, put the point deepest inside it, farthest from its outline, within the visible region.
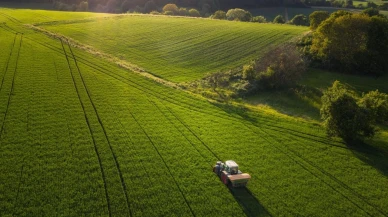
(90, 131)
(104, 131)
(12, 86)
(161, 157)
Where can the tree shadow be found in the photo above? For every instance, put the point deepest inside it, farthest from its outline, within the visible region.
(301, 101)
(370, 154)
(250, 204)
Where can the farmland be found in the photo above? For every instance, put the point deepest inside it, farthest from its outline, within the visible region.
(83, 136)
(177, 49)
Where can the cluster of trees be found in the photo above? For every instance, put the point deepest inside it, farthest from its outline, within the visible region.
(238, 14)
(349, 42)
(351, 117)
(279, 68)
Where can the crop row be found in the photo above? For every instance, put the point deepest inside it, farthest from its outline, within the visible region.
(178, 49)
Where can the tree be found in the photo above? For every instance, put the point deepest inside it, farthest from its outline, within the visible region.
(194, 13)
(377, 105)
(259, 19)
(171, 7)
(150, 6)
(279, 19)
(239, 14)
(340, 39)
(220, 15)
(125, 6)
(342, 116)
(299, 20)
(317, 17)
(371, 12)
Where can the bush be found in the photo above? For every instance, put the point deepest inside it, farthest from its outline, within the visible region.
(259, 19)
(194, 13)
(220, 15)
(183, 12)
(279, 19)
(299, 20)
(170, 7)
(239, 14)
(169, 13)
(317, 17)
(377, 105)
(155, 12)
(343, 117)
(280, 68)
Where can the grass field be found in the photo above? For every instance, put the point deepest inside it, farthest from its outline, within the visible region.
(82, 136)
(178, 49)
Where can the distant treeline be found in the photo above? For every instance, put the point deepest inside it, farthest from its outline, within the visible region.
(215, 4)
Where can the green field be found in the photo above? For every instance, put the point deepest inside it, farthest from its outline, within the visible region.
(177, 49)
(82, 136)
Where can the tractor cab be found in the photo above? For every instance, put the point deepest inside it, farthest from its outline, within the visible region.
(231, 167)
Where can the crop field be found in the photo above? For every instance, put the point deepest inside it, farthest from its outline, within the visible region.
(177, 49)
(81, 136)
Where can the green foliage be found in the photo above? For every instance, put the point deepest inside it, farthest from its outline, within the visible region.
(280, 68)
(317, 17)
(371, 12)
(220, 15)
(342, 116)
(194, 13)
(169, 13)
(259, 19)
(150, 6)
(299, 20)
(239, 15)
(183, 12)
(248, 72)
(279, 19)
(171, 7)
(347, 42)
(377, 105)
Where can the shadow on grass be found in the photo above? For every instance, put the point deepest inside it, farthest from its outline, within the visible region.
(370, 154)
(249, 203)
(301, 101)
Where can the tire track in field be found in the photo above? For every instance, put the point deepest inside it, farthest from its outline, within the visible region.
(247, 191)
(339, 182)
(173, 101)
(331, 177)
(191, 109)
(90, 131)
(105, 134)
(161, 157)
(7, 63)
(12, 19)
(12, 86)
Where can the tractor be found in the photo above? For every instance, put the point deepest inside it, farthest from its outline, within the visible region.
(230, 175)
